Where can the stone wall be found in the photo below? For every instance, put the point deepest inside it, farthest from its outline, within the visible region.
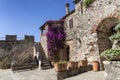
(69, 32)
(44, 40)
(11, 37)
(112, 70)
(71, 37)
(11, 47)
(85, 39)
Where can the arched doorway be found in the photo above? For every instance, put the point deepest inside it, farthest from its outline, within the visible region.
(104, 30)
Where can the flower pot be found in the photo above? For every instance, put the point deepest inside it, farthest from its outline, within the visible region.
(95, 65)
(60, 67)
(84, 63)
(73, 65)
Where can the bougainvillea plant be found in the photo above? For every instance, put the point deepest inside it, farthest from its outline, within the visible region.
(55, 38)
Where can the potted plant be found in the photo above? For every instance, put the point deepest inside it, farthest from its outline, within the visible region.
(84, 62)
(73, 65)
(95, 63)
(60, 66)
(111, 54)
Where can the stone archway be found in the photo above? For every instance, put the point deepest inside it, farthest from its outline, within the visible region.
(104, 30)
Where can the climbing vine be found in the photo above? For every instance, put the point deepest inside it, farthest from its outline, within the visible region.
(88, 2)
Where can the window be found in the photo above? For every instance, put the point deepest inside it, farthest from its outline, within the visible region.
(71, 23)
(44, 32)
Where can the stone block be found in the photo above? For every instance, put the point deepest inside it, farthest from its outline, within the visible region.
(82, 69)
(88, 68)
(63, 74)
(74, 72)
(112, 70)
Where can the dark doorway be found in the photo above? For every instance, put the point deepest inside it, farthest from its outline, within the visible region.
(68, 52)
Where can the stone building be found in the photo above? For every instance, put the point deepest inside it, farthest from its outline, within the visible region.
(88, 29)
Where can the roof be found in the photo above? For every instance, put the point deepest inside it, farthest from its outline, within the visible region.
(50, 22)
(76, 1)
(57, 21)
(68, 14)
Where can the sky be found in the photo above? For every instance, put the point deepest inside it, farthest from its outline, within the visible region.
(24, 17)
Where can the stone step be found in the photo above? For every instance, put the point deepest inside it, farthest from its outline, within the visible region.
(47, 67)
(44, 61)
(45, 64)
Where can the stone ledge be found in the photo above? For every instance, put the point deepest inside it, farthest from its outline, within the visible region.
(112, 70)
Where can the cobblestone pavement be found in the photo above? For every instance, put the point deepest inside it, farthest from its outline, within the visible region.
(49, 74)
(90, 75)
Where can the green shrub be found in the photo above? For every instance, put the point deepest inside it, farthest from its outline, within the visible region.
(117, 28)
(5, 63)
(88, 2)
(111, 54)
(115, 36)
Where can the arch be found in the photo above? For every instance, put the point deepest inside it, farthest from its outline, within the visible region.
(104, 30)
(115, 15)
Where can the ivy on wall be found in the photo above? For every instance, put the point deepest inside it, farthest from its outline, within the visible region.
(88, 2)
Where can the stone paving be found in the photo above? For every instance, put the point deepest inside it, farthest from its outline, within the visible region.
(49, 74)
(28, 75)
(90, 75)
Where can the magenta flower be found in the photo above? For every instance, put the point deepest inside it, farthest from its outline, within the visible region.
(55, 38)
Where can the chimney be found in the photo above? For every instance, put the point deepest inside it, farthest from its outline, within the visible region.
(76, 1)
(79, 6)
(67, 8)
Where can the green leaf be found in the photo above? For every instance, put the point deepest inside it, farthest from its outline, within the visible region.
(111, 54)
(88, 2)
